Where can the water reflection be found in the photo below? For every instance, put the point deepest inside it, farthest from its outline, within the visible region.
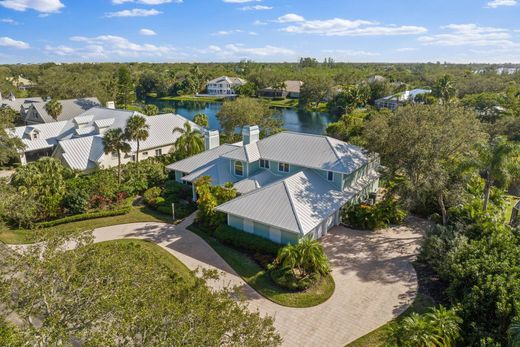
(293, 120)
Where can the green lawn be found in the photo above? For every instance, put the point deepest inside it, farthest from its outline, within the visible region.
(377, 338)
(260, 280)
(511, 202)
(192, 98)
(137, 214)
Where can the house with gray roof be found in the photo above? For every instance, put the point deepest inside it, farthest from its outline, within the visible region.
(20, 105)
(36, 113)
(291, 185)
(78, 142)
(224, 86)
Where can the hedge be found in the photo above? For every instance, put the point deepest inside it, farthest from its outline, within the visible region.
(181, 210)
(242, 240)
(84, 216)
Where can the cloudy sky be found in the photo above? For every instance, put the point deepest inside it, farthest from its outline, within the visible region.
(261, 30)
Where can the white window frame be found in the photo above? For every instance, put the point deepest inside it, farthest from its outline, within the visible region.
(282, 166)
(264, 164)
(235, 168)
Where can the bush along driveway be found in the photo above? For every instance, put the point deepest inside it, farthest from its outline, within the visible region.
(375, 280)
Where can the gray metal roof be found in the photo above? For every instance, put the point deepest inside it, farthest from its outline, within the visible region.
(217, 169)
(83, 153)
(297, 203)
(70, 108)
(48, 134)
(259, 180)
(247, 153)
(312, 151)
(200, 160)
(16, 104)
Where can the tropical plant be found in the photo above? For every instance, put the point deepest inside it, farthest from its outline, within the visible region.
(497, 161)
(190, 142)
(125, 87)
(304, 258)
(151, 110)
(10, 146)
(114, 141)
(201, 119)
(438, 328)
(444, 89)
(136, 130)
(54, 108)
(513, 333)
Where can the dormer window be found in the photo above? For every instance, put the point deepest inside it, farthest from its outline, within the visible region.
(239, 168)
(35, 135)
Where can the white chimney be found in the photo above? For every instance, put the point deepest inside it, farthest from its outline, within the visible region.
(250, 134)
(211, 139)
(111, 105)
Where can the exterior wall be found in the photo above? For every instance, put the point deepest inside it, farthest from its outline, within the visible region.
(273, 166)
(245, 169)
(33, 117)
(253, 167)
(262, 230)
(178, 176)
(337, 177)
(111, 160)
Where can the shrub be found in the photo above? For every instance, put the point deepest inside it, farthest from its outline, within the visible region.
(176, 191)
(284, 277)
(75, 201)
(305, 259)
(181, 210)
(150, 195)
(84, 216)
(248, 242)
(371, 217)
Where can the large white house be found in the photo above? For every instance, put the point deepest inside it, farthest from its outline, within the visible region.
(78, 142)
(224, 86)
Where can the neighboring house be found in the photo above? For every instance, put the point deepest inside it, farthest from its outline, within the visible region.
(19, 105)
(376, 79)
(224, 86)
(291, 90)
(21, 83)
(36, 113)
(78, 142)
(392, 102)
(291, 185)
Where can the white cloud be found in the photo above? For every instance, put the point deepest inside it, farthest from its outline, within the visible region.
(108, 47)
(237, 51)
(226, 32)
(8, 21)
(351, 52)
(147, 32)
(499, 3)
(290, 18)
(470, 35)
(146, 2)
(44, 6)
(259, 22)
(9, 42)
(256, 8)
(345, 27)
(136, 12)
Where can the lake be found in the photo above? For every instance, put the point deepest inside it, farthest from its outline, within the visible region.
(293, 120)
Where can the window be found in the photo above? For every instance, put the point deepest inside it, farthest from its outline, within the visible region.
(264, 164)
(158, 152)
(145, 153)
(239, 168)
(133, 157)
(330, 175)
(36, 135)
(283, 167)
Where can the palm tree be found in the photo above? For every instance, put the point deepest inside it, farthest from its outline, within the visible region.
(136, 130)
(201, 119)
(513, 333)
(53, 108)
(496, 162)
(444, 89)
(307, 256)
(288, 256)
(151, 110)
(190, 142)
(445, 324)
(114, 141)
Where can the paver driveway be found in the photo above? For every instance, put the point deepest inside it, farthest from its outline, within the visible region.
(375, 280)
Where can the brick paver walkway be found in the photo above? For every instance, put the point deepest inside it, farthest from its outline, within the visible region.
(375, 280)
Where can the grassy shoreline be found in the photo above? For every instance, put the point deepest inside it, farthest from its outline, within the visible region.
(259, 279)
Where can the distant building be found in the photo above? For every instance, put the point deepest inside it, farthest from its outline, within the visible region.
(19, 105)
(21, 83)
(375, 78)
(291, 90)
(36, 113)
(224, 86)
(392, 102)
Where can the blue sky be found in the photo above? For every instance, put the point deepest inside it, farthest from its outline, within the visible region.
(262, 30)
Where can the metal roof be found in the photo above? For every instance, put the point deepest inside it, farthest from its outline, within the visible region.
(82, 153)
(70, 108)
(248, 153)
(259, 180)
(16, 104)
(217, 169)
(200, 160)
(48, 134)
(297, 203)
(230, 80)
(312, 151)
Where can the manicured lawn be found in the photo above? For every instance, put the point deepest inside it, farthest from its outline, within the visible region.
(377, 338)
(259, 279)
(163, 257)
(284, 103)
(137, 214)
(511, 202)
(192, 98)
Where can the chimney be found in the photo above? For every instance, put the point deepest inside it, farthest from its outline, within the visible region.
(211, 139)
(250, 134)
(111, 105)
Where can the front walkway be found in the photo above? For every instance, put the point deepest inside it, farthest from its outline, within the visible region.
(375, 280)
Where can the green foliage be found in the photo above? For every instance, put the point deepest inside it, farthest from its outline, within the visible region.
(190, 142)
(125, 87)
(9, 146)
(349, 127)
(247, 111)
(209, 197)
(513, 333)
(75, 201)
(305, 258)
(350, 98)
(95, 294)
(444, 89)
(9, 334)
(53, 108)
(151, 194)
(244, 241)
(249, 89)
(151, 110)
(372, 217)
(85, 216)
(315, 89)
(285, 278)
(438, 328)
(114, 141)
(201, 119)
(136, 130)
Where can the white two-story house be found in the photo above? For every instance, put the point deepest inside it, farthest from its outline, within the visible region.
(224, 86)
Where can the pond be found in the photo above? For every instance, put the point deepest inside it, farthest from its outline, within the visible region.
(293, 120)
